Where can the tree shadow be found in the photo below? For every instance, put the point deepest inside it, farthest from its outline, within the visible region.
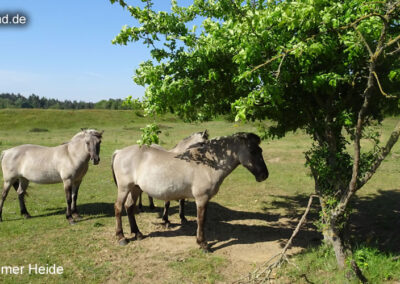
(376, 220)
(225, 227)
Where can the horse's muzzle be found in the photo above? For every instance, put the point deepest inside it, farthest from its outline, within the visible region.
(262, 176)
(96, 161)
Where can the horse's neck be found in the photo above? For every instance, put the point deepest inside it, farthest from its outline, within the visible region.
(77, 151)
(220, 155)
(181, 146)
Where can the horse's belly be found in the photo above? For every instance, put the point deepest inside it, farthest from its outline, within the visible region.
(166, 190)
(42, 176)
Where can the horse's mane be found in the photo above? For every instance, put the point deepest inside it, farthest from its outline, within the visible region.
(93, 132)
(236, 138)
(209, 151)
(203, 133)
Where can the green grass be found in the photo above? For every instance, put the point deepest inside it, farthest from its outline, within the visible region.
(318, 265)
(200, 267)
(241, 210)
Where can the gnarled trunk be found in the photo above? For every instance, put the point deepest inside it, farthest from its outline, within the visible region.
(333, 237)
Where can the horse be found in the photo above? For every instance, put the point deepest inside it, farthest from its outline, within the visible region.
(183, 145)
(67, 163)
(196, 173)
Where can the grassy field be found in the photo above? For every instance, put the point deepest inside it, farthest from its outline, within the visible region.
(247, 221)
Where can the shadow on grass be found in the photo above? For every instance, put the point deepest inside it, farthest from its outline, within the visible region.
(376, 221)
(87, 210)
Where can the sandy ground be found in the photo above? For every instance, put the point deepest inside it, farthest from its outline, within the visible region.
(244, 239)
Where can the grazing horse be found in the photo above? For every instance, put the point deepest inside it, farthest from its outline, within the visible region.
(196, 173)
(67, 163)
(182, 146)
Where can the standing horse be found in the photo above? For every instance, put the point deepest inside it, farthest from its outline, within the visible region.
(67, 163)
(182, 146)
(197, 173)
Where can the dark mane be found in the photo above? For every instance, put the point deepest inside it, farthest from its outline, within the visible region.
(211, 151)
(237, 138)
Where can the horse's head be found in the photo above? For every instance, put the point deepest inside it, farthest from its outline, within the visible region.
(250, 155)
(93, 141)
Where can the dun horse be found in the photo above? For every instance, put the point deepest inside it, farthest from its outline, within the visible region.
(67, 163)
(196, 173)
(183, 145)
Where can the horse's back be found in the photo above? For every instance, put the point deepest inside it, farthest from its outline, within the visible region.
(157, 172)
(33, 162)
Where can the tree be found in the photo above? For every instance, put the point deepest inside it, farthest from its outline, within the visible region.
(329, 67)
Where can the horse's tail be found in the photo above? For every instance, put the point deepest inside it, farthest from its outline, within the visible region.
(112, 167)
(1, 156)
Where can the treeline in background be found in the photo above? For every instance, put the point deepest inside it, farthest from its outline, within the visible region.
(12, 100)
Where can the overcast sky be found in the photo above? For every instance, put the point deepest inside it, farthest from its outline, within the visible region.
(65, 52)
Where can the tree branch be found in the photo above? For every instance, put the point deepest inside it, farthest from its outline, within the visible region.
(353, 24)
(364, 41)
(263, 275)
(380, 87)
(393, 52)
(362, 18)
(393, 41)
(278, 72)
(394, 136)
(353, 186)
(272, 59)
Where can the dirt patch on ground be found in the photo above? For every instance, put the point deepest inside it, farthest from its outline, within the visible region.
(245, 240)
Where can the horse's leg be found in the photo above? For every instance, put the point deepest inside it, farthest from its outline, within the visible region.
(68, 196)
(74, 209)
(140, 202)
(21, 187)
(201, 205)
(6, 189)
(151, 203)
(122, 195)
(182, 211)
(130, 204)
(165, 213)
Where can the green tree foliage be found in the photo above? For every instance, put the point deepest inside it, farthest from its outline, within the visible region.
(329, 67)
(149, 135)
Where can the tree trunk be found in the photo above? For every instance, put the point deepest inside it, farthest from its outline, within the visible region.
(333, 238)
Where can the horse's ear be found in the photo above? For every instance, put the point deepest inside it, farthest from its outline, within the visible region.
(83, 129)
(101, 133)
(205, 134)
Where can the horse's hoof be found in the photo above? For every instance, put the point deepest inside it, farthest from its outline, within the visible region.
(139, 236)
(184, 221)
(206, 250)
(1, 219)
(205, 247)
(27, 216)
(71, 221)
(152, 207)
(77, 217)
(123, 242)
(167, 224)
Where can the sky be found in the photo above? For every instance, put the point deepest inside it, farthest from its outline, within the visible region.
(64, 50)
